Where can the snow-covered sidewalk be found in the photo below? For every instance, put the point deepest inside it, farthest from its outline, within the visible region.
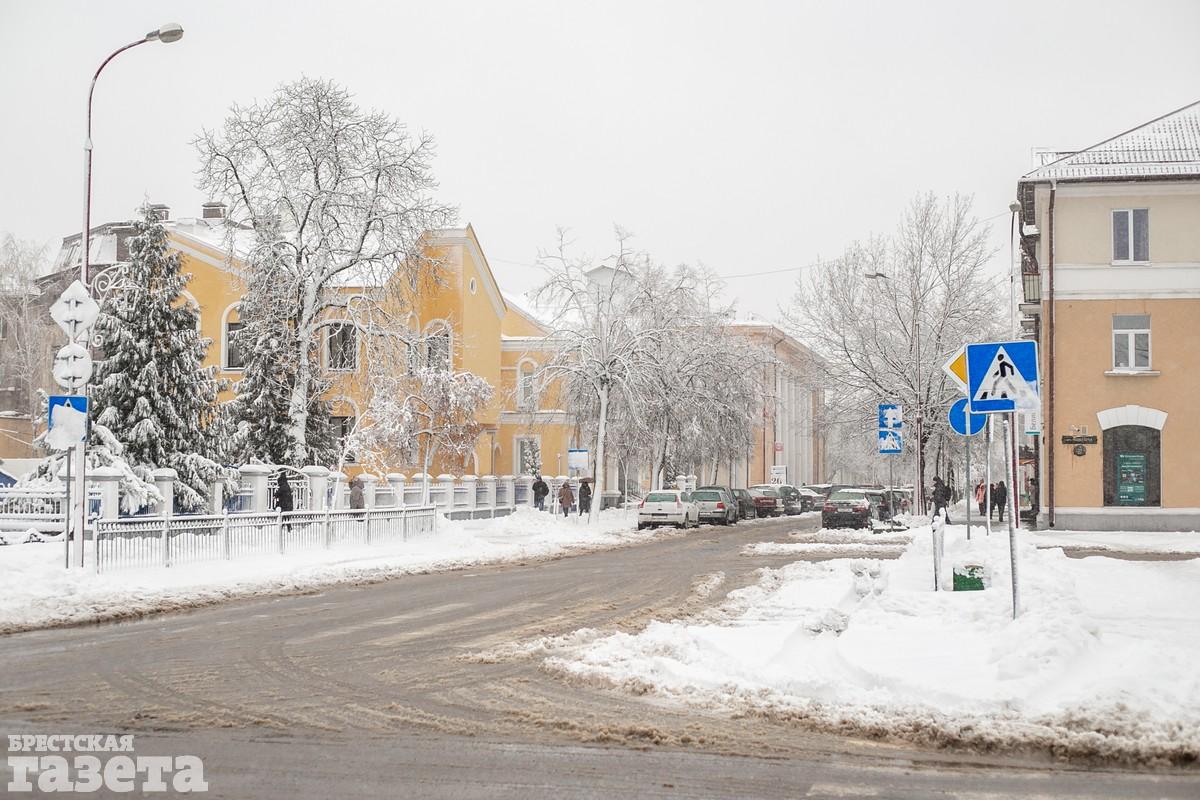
(38, 592)
(1132, 542)
(1102, 662)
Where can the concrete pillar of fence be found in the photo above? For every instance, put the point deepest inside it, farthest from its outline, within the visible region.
(680, 481)
(254, 480)
(368, 485)
(318, 482)
(108, 479)
(489, 491)
(164, 481)
(216, 497)
(527, 482)
(469, 483)
(396, 481)
(339, 480)
(446, 490)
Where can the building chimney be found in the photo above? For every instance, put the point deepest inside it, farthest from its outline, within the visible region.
(160, 212)
(213, 209)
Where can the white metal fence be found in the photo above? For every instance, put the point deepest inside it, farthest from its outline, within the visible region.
(22, 509)
(167, 541)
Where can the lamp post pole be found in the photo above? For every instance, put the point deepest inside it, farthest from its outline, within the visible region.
(171, 32)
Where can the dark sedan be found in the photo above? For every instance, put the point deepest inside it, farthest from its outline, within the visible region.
(847, 508)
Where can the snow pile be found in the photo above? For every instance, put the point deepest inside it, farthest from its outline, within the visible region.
(828, 541)
(1100, 664)
(39, 592)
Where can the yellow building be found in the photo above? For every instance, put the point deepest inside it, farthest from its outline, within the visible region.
(1111, 263)
(463, 316)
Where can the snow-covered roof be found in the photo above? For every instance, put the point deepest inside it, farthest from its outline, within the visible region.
(1166, 147)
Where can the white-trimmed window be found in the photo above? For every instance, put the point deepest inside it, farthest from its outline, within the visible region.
(341, 348)
(1131, 235)
(1131, 341)
(526, 390)
(235, 358)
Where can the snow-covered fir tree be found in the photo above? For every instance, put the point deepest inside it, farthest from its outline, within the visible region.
(151, 393)
(531, 457)
(261, 411)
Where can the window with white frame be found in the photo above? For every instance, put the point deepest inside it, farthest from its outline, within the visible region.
(341, 348)
(1131, 235)
(1131, 341)
(526, 392)
(235, 357)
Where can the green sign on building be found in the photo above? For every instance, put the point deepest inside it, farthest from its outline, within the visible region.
(1131, 479)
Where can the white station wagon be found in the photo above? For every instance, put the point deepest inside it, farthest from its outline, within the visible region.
(668, 507)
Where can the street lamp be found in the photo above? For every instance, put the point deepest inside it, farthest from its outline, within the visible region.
(170, 32)
(919, 487)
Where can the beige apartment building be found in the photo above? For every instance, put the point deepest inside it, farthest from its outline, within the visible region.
(1110, 240)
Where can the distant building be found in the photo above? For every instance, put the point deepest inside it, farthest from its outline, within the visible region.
(1110, 241)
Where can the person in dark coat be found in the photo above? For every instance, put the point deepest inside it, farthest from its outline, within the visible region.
(941, 498)
(356, 495)
(540, 490)
(283, 493)
(585, 497)
(1000, 500)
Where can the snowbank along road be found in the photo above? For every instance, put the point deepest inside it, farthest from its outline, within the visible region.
(402, 688)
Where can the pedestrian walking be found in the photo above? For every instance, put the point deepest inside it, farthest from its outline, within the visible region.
(540, 490)
(1001, 499)
(941, 498)
(566, 498)
(585, 496)
(356, 495)
(283, 492)
(981, 496)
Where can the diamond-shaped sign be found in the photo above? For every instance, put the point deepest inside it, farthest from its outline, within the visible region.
(75, 311)
(72, 366)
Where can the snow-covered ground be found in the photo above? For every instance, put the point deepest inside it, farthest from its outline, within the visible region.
(1101, 663)
(38, 592)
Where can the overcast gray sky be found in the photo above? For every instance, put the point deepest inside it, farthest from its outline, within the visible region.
(750, 136)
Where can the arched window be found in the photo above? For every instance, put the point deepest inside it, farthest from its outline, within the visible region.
(233, 356)
(437, 346)
(526, 391)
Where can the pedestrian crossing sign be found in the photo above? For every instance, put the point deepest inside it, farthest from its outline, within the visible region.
(1003, 377)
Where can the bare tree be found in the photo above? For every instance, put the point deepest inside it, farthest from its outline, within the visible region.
(891, 310)
(27, 335)
(347, 190)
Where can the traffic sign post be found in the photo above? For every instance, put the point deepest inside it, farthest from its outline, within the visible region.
(966, 425)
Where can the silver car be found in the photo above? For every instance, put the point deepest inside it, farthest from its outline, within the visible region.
(715, 505)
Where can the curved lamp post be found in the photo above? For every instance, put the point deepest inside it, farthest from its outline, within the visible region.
(170, 32)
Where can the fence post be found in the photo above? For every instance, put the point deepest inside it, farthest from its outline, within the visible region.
(216, 497)
(527, 482)
(396, 481)
(166, 541)
(369, 487)
(318, 482)
(254, 477)
(338, 479)
(164, 481)
(109, 481)
(506, 483)
(225, 534)
(489, 484)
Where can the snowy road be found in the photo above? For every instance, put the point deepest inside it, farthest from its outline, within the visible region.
(389, 689)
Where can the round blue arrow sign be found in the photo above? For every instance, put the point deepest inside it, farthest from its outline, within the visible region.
(962, 422)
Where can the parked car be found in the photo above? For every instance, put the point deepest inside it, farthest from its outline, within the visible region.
(714, 505)
(745, 502)
(792, 502)
(811, 500)
(767, 501)
(879, 503)
(731, 505)
(668, 507)
(847, 508)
